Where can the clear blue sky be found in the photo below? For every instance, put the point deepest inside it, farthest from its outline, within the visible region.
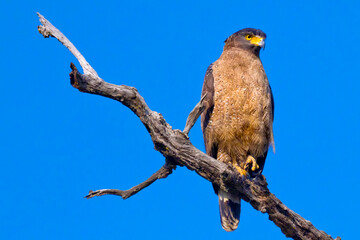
(57, 143)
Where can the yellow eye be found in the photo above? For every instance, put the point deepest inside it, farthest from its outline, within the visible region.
(248, 37)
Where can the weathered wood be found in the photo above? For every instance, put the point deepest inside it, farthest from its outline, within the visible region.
(178, 150)
(194, 115)
(48, 30)
(163, 172)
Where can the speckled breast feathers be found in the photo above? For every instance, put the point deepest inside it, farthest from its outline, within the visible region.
(241, 120)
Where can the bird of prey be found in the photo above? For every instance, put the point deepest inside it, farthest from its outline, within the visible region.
(239, 112)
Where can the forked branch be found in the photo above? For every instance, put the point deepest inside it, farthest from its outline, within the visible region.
(163, 172)
(175, 146)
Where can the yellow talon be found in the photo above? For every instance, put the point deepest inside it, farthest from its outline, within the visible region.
(242, 172)
(251, 164)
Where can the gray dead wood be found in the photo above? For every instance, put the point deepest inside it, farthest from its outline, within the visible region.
(178, 150)
(163, 172)
(194, 115)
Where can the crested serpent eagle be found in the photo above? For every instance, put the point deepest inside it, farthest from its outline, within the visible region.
(239, 112)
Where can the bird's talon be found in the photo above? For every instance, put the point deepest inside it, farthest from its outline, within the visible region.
(243, 172)
(251, 164)
(255, 167)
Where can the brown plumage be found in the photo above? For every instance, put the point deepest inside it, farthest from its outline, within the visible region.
(238, 116)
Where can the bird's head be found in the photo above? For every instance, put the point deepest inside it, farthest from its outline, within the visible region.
(250, 39)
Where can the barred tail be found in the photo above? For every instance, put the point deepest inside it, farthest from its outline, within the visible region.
(230, 208)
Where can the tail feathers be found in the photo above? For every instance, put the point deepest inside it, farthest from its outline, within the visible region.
(230, 208)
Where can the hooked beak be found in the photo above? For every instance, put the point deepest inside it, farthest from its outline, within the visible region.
(258, 41)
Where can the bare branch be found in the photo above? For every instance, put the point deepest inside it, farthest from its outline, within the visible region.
(163, 172)
(194, 115)
(175, 146)
(48, 30)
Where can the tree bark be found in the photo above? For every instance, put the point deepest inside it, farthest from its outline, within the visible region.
(163, 172)
(177, 149)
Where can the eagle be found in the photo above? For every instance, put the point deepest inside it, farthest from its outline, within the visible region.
(239, 113)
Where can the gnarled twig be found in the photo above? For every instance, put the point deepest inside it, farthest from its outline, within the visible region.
(47, 30)
(163, 172)
(194, 115)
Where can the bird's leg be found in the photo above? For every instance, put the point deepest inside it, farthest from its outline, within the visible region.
(242, 172)
(251, 164)
(226, 158)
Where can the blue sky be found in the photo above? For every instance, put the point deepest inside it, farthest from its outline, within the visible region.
(57, 143)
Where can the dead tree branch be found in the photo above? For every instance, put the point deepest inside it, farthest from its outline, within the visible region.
(163, 172)
(178, 150)
(48, 30)
(194, 115)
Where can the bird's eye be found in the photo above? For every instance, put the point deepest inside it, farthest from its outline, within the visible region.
(248, 37)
